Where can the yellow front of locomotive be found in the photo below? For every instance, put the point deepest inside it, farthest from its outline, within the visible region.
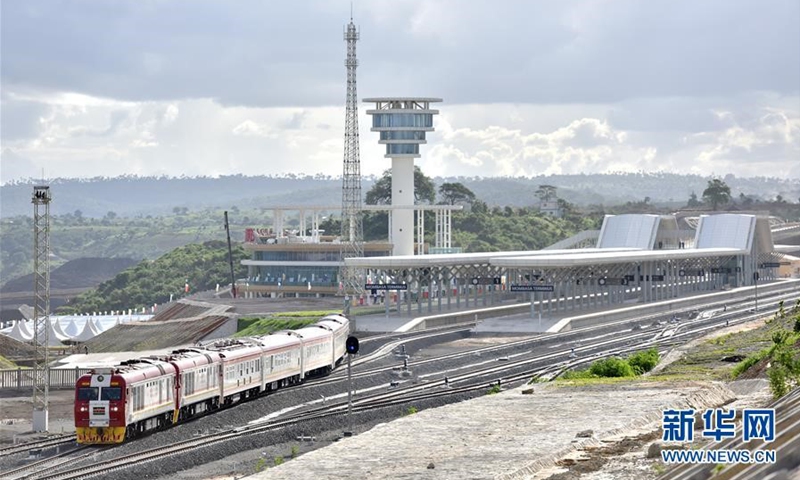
(100, 409)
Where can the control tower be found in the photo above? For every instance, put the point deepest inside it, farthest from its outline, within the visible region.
(402, 123)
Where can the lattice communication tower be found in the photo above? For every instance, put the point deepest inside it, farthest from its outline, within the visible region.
(352, 225)
(41, 305)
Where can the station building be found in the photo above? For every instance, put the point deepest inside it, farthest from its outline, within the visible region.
(639, 258)
(300, 260)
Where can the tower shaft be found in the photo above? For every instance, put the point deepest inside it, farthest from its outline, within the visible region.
(41, 306)
(352, 232)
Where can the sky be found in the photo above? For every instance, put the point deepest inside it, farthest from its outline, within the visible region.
(257, 87)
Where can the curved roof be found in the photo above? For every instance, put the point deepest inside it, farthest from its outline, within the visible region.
(463, 258)
(576, 259)
(401, 99)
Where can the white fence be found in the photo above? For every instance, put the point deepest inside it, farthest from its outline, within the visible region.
(22, 378)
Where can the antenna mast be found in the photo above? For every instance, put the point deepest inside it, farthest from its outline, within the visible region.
(41, 305)
(352, 225)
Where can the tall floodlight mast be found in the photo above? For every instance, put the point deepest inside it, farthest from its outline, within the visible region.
(41, 305)
(352, 226)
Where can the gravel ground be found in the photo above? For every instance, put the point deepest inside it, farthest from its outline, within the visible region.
(61, 413)
(246, 454)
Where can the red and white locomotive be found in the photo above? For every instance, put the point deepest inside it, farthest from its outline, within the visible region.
(150, 393)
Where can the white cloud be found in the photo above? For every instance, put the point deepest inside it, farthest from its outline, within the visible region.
(201, 137)
(529, 87)
(249, 128)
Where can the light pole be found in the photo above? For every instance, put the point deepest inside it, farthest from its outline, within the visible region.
(351, 346)
(755, 283)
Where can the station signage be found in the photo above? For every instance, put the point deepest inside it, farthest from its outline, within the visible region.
(721, 270)
(645, 278)
(486, 281)
(386, 286)
(606, 281)
(686, 272)
(770, 265)
(532, 288)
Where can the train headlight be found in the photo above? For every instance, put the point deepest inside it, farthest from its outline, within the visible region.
(115, 409)
(84, 409)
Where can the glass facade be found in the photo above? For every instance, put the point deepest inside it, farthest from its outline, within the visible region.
(317, 276)
(301, 256)
(402, 135)
(388, 120)
(402, 149)
(298, 256)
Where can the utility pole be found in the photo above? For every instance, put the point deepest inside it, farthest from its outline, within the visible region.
(41, 306)
(230, 255)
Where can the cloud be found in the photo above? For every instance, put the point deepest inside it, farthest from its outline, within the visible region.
(249, 128)
(170, 88)
(574, 51)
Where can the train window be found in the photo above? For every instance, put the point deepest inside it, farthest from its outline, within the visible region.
(111, 393)
(87, 393)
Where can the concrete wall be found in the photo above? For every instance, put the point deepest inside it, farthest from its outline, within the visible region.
(227, 330)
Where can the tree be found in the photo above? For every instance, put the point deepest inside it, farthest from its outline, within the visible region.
(693, 202)
(546, 193)
(717, 192)
(456, 192)
(381, 191)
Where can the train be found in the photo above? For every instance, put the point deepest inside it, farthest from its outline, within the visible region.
(116, 404)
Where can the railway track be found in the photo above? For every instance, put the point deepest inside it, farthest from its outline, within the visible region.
(528, 364)
(541, 364)
(38, 444)
(56, 461)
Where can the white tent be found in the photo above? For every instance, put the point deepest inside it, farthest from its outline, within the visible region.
(55, 336)
(19, 332)
(27, 328)
(87, 333)
(72, 329)
(57, 328)
(97, 325)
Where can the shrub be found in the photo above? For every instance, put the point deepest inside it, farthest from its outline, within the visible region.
(748, 362)
(644, 361)
(295, 450)
(494, 389)
(778, 376)
(577, 374)
(612, 367)
(278, 460)
(411, 410)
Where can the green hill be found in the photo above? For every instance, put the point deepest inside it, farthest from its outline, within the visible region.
(153, 281)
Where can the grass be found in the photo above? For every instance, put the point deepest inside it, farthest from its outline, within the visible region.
(577, 381)
(253, 326)
(704, 361)
(6, 363)
(748, 362)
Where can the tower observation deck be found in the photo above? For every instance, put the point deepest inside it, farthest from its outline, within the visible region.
(402, 123)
